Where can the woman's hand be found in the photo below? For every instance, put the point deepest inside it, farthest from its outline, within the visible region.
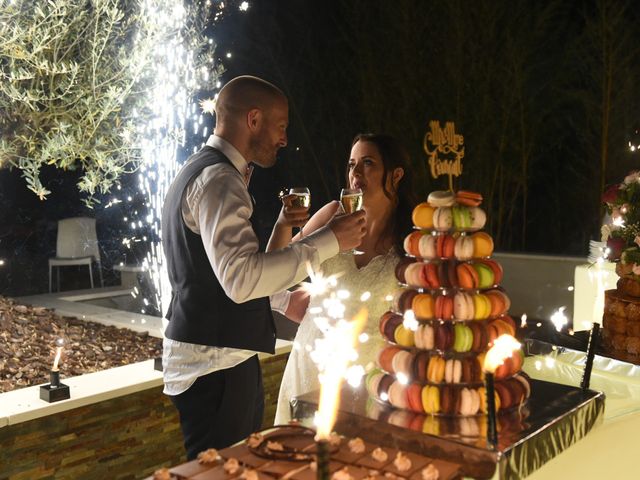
(298, 304)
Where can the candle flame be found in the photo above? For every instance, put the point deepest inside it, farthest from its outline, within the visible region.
(503, 347)
(342, 340)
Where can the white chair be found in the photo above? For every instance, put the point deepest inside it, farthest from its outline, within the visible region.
(77, 244)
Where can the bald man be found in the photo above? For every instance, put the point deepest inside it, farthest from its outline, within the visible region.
(220, 312)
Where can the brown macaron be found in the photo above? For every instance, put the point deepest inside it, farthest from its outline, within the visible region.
(401, 267)
(385, 383)
(405, 299)
(420, 364)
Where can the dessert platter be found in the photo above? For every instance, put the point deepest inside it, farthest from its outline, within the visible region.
(290, 452)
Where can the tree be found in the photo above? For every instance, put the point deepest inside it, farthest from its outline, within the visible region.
(75, 83)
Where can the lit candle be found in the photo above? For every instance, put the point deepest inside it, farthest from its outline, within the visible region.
(503, 347)
(55, 371)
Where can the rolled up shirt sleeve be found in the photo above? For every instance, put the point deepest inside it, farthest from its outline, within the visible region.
(221, 206)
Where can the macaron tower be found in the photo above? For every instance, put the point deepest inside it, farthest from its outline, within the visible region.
(447, 314)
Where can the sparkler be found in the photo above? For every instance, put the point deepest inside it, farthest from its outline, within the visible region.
(503, 347)
(176, 122)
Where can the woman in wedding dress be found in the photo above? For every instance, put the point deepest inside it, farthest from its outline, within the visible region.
(378, 165)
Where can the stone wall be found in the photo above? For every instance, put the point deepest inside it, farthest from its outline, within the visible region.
(122, 438)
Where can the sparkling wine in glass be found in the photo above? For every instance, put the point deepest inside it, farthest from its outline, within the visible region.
(351, 200)
(302, 199)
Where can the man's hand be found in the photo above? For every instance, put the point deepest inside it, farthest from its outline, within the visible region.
(349, 229)
(298, 303)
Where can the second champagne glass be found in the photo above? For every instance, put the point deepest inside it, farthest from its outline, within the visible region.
(351, 200)
(302, 199)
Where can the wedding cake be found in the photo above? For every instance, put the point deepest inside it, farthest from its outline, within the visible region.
(446, 316)
(621, 319)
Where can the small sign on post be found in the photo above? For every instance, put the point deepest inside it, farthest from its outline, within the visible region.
(445, 150)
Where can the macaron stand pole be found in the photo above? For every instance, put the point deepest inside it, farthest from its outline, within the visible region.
(591, 352)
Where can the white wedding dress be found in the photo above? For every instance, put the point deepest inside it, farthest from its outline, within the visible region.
(378, 278)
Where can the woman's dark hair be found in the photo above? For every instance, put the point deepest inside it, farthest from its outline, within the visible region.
(394, 155)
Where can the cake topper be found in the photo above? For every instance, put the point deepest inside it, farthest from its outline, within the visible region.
(445, 150)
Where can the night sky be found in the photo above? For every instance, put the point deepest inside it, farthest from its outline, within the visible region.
(522, 81)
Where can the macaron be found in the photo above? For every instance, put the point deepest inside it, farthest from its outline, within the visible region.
(478, 218)
(404, 299)
(414, 397)
(504, 327)
(441, 198)
(470, 199)
(427, 246)
(431, 399)
(390, 326)
(383, 386)
(467, 276)
(449, 400)
(500, 303)
(507, 399)
(372, 382)
(401, 268)
(422, 215)
(443, 275)
(444, 307)
(463, 248)
(485, 275)
(411, 243)
(401, 362)
(453, 370)
(482, 244)
(403, 336)
(425, 337)
(469, 405)
(518, 391)
(524, 380)
(436, 369)
(444, 336)
(423, 306)
(398, 395)
(420, 366)
(463, 308)
(430, 275)
(479, 332)
(461, 218)
(445, 246)
(462, 338)
(385, 357)
(482, 307)
(497, 270)
(442, 219)
(413, 275)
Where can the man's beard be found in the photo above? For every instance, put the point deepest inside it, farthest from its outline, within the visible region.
(263, 153)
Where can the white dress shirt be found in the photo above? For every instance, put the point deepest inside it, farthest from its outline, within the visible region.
(217, 206)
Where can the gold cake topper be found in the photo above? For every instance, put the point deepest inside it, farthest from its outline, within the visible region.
(445, 149)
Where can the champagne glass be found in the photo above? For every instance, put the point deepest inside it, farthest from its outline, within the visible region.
(351, 200)
(302, 199)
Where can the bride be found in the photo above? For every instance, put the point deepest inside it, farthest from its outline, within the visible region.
(378, 166)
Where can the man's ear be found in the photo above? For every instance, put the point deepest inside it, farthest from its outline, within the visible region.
(254, 119)
(397, 175)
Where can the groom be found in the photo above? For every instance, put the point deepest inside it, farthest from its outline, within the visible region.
(220, 314)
